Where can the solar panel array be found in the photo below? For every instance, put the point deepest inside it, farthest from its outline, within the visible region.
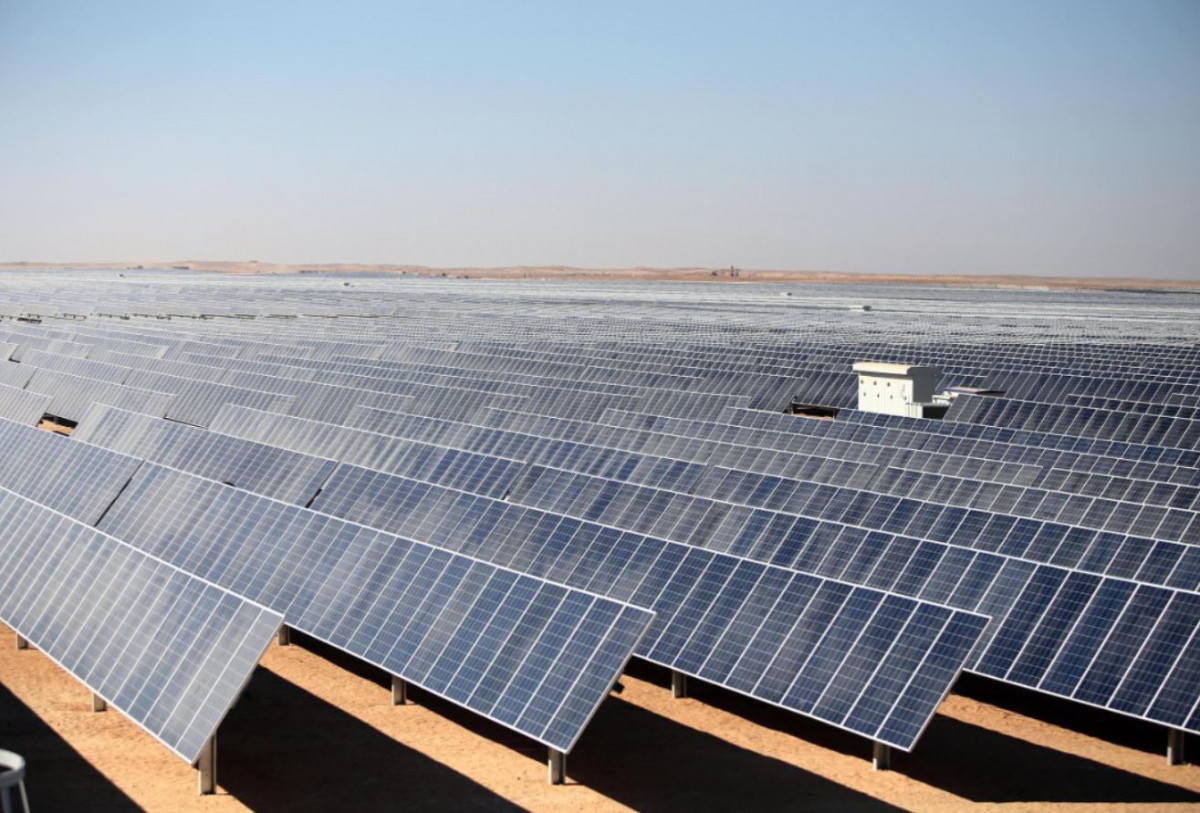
(920, 654)
(530, 654)
(422, 468)
(975, 568)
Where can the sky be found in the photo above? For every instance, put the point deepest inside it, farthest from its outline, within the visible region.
(958, 137)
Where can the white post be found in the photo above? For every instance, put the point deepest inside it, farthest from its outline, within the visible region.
(557, 764)
(881, 756)
(98, 703)
(399, 691)
(22, 643)
(285, 635)
(207, 767)
(679, 687)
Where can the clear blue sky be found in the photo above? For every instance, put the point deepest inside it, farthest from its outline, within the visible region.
(974, 137)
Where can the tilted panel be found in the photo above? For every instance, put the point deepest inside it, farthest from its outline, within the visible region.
(532, 655)
(197, 402)
(169, 650)
(784, 637)
(71, 395)
(77, 479)
(269, 470)
(22, 406)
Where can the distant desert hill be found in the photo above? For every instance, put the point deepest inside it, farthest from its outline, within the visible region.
(732, 275)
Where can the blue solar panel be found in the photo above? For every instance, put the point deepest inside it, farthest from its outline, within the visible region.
(168, 649)
(542, 656)
(696, 594)
(257, 467)
(40, 465)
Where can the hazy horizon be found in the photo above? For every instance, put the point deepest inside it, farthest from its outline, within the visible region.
(1051, 139)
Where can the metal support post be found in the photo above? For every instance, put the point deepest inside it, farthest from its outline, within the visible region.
(558, 767)
(98, 703)
(1175, 754)
(881, 756)
(22, 643)
(285, 635)
(679, 687)
(399, 691)
(206, 765)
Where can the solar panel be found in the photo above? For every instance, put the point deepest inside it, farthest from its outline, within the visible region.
(15, 375)
(1104, 545)
(166, 648)
(72, 395)
(197, 402)
(267, 470)
(318, 401)
(527, 653)
(96, 370)
(777, 652)
(21, 406)
(38, 464)
(1028, 437)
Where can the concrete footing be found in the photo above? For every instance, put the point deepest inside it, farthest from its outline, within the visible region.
(679, 687)
(399, 691)
(557, 764)
(206, 767)
(98, 703)
(22, 643)
(1175, 755)
(881, 756)
(285, 635)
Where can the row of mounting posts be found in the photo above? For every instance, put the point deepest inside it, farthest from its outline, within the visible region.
(881, 754)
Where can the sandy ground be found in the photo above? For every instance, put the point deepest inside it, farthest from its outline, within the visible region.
(315, 731)
(648, 274)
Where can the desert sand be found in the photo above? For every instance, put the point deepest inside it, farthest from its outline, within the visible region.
(727, 274)
(316, 731)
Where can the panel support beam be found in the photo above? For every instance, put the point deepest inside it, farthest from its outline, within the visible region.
(557, 763)
(399, 691)
(206, 767)
(22, 643)
(679, 684)
(1175, 755)
(285, 635)
(881, 756)
(98, 703)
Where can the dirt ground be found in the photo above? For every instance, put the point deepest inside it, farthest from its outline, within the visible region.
(731, 275)
(316, 731)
